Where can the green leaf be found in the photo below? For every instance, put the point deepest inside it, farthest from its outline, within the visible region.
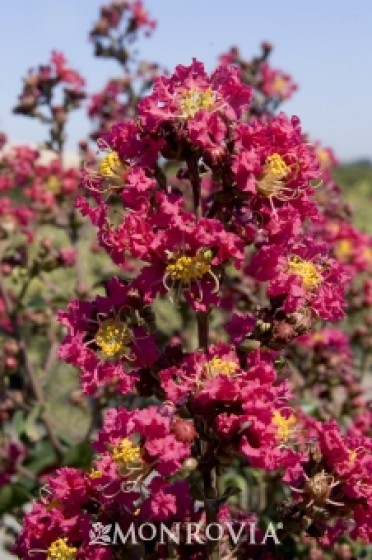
(79, 456)
(42, 456)
(30, 427)
(11, 496)
(18, 421)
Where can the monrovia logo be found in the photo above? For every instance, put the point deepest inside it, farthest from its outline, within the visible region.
(108, 535)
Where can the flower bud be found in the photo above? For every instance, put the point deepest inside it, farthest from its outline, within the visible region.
(189, 464)
(184, 430)
(214, 157)
(10, 363)
(11, 347)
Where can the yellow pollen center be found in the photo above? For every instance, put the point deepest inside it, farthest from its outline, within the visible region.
(112, 338)
(323, 157)
(194, 100)
(276, 166)
(318, 336)
(187, 269)
(343, 249)
(217, 366)
(352, 456)
(59, 550)
(274, 172)
(308, 271)
(126, 453)
(53, 184)
(95, 473)
(283, 425)
(279, 84)
(111, 165)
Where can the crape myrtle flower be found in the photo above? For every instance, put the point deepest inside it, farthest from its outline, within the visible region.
(190, 100)
(274, 162)
(190, 90)
(245, 407)
(108, 338)
(334, 481)
(276, 83)
(113, 14)
(134, 445)
(126, 167)
(350, 246)
(326, 157)
(49, 534)
(14, 218)
(64, 73)
(131, 446)
(40, 82)
(189, 258)
(329, 339)
(183, 255)
(302, 275)
(59, 523)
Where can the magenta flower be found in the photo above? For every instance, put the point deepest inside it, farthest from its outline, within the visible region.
(107, 338)
(190, 91)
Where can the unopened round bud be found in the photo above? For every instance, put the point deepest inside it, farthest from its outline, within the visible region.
(10, 363)
(189, 464)
(283, 332)
(213, 157)
(6, 269)
(184, 430)
(11, 347)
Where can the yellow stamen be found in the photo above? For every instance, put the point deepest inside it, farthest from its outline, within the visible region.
(217, 366)
(59, 550)
(279, 84)
(187, 269)
(53, 184)
(194, 100)
(274, 172)
(111, 165)
(352, 456)
(283, 425)
(323, 157)
(53, 504)
(95, 473)
(112, 338)
(367, 253)
(333, 227)
(308, 271)
(318, 336)
(343, 249)
(126, 453)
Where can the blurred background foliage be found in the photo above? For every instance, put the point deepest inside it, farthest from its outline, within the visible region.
(355, 178)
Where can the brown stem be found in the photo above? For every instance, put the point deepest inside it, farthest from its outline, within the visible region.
(203, 331)
(192, 166)
(209, 470)
(210, 496)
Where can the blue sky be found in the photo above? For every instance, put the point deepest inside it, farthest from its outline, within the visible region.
(326, 45)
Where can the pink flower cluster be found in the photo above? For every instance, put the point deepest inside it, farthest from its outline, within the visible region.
(203, 206)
